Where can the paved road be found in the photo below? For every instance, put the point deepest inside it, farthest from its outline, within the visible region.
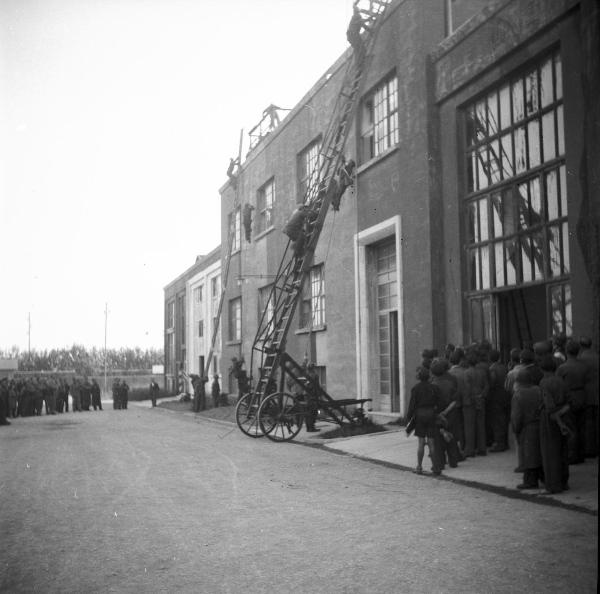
(149, 501)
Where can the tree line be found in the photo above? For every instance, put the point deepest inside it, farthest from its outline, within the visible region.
(83, 359)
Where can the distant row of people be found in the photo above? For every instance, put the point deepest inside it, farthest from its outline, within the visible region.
(467, 401)
(31, 396)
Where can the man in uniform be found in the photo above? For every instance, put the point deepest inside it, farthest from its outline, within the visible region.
(124, 394)
(96, 398)
(116, 394)
(154, 389)
(215, 390)
(4, 401)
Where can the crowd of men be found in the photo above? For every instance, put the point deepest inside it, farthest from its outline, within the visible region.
(34, 395)
(546, 394)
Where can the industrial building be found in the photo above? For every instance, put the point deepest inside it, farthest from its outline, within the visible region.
(475, 192)
(190, 317)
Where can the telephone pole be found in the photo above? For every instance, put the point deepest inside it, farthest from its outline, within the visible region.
(29, 335)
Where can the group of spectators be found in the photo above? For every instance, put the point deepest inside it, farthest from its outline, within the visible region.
(467, 401)
(120, 394)
(30, 396)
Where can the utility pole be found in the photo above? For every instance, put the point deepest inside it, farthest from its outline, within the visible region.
(29, 335)
(105, 329)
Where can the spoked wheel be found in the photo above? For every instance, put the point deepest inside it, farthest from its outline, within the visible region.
(246, 415)
(280, 416)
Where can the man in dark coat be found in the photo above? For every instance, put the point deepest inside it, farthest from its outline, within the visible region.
(575, 374)
(247, 221)
(499, 403)
(154, 390)
(294, 229)
(355, 28)
(124, 393)
(96, 398)
(457, 371)
(445, 442)
(475, 425)
(86, 394)
(199, 385)
(4, 401)
(525, 419)
(215, 390)
(116, 393)
(553, 430)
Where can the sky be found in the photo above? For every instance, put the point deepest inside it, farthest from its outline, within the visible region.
(117, 122)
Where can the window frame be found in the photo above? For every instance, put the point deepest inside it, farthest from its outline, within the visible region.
(516, 215)
(312, 306)
(379, 122)
(308, 167)
(234, 223)
(234, 330)
(265, 203)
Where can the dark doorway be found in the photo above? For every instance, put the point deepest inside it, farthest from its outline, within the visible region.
(522, 318)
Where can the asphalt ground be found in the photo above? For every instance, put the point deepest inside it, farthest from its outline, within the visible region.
(494, 472)
(151, 501)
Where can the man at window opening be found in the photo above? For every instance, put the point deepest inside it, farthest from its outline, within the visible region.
(340, 183)
(247, 221)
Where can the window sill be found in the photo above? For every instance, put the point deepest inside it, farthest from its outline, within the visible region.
(233, 342)
(377, 159)
(320, 328)
(264, 233)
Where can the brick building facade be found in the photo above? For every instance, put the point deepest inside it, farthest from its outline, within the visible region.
(477, 156)
(191, 302)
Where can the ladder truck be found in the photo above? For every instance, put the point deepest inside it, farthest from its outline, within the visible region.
(267, 409)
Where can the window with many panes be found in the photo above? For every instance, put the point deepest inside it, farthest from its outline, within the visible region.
(171, 314)
(235, 319)
(181, 313)
(265, 198)
(387, 302)
(379, 122)
(235, 227)
(308, 169)
(517, 229)
(516, 181)
(312, 309)
(198, 294)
